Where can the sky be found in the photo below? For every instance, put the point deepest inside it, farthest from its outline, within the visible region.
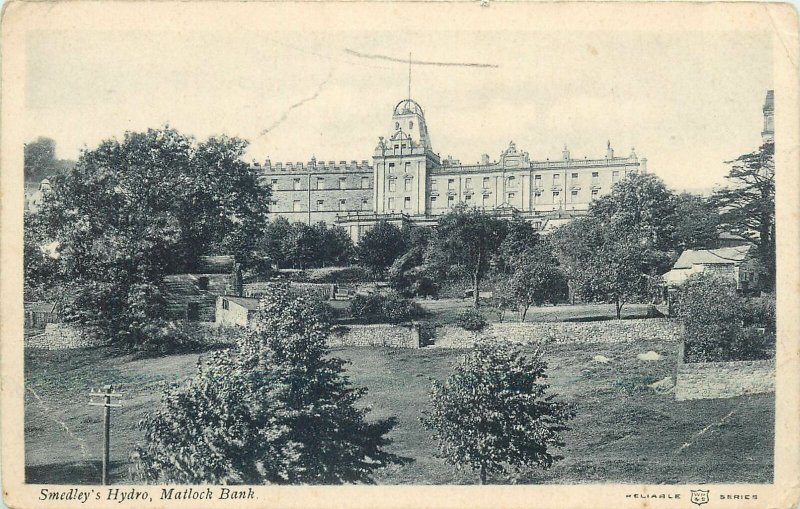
(686, 101)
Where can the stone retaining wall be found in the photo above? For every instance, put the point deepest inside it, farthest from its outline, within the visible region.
(62, 336)
(710, 380)
(606, 331)
(394, 336)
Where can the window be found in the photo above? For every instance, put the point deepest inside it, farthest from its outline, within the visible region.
(556, 178)
(468, 183)
(274, 183)
(574, 176)
(411, 125)
(296, 206)
(485, 201)
(614, 176)
(391, 168)
(594, 193)
(342, 182)
(450, 201)
(468, 198)
(320, 203)
(486, 182)
(225, 304)
(451, 183)
(342, 204)
(296, 184)
(397, 125)
(556, 195)
(407, 202)
(408, 185)
(364, 204)
(391, 203)
(408, 167)
(573, 197)
(511, 181)
(510, 197)
(595, 175)
(537, 181)
(364, 182)
(320, 183)
(433, 201)
(392, 185)
(434, 185)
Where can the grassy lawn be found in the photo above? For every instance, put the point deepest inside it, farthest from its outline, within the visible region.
(446, 311)
(623, 432)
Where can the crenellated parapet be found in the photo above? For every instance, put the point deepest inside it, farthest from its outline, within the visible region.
(312, 166)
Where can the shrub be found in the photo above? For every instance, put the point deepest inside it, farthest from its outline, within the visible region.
(720, 325)
(471, 319)
(378, 307)
(493, 414)
(275, 409)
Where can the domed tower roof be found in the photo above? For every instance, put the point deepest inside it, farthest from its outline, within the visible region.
(407, 106)
(408, 122)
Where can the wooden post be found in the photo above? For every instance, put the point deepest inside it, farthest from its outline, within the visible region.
(107, 393)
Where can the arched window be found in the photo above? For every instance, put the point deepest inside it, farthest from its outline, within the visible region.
(397, 125)
(411, 125)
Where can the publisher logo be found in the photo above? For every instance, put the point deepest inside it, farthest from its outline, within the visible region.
(699, 497)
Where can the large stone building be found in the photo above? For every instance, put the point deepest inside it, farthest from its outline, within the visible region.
(408, 181)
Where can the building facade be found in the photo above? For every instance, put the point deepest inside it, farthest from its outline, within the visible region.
(408, 181)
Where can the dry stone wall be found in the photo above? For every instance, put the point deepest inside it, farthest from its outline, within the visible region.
(394, 336)
(62, 336)
(607, 331)
(709, 380)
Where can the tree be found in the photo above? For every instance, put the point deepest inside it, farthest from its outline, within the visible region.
(639, 204)
(747, 206)
(468, 237)
(277, 409)
(536, 279)
(493, 414)
(40, 159)
(520, 238)
(604, 262)
(696, 223)
(381, 246)
(130, 212)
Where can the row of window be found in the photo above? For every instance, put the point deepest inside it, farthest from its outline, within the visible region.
(486, 202)
(406, 185)
(297, 184)
(512, 182)
(297, 205)
(407, 167)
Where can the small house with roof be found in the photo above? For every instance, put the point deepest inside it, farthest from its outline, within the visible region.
(193, 296)
(233, 310)
(736, 262)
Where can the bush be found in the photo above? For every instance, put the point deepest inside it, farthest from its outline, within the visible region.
(378, 307)
(720, 325)
(471, 319)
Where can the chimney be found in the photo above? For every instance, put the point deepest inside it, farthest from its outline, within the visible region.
(485, 159)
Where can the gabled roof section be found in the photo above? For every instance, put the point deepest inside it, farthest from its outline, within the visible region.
(724, 255)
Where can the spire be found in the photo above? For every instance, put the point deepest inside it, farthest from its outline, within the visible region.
(409, 75)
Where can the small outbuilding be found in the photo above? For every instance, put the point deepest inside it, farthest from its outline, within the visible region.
(232, 310)
(736, 262)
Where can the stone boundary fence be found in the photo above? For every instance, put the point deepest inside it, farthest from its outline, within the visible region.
(62, 336)
(606, 331)
(711, 380)
(393, 336)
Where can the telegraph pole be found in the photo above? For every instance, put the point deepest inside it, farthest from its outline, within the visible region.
(107, 393)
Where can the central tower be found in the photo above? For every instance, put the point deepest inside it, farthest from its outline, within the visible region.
(401, 161)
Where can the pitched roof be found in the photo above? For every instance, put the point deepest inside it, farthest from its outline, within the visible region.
(40, 306)
(246, 302)
(724, 255)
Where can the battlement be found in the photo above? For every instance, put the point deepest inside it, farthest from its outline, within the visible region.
(312, 166)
